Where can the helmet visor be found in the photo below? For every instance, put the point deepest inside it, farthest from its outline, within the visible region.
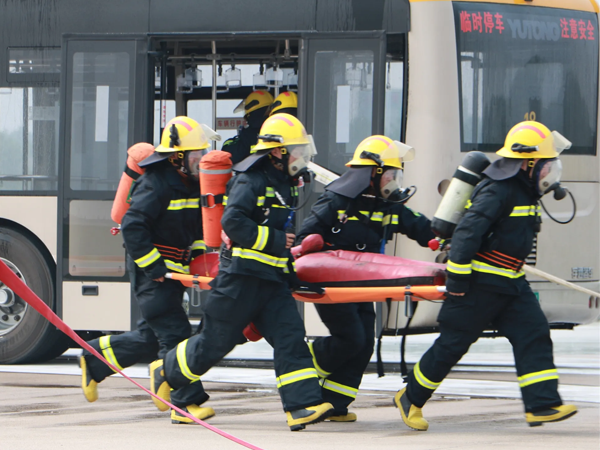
(547, 175)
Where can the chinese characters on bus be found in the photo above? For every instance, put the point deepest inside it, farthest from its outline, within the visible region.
(477, 21)
(490, 22)
(576, 29)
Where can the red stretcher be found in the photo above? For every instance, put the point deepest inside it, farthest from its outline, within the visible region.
(346, 276)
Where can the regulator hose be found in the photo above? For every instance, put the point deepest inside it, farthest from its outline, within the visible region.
(574, 209)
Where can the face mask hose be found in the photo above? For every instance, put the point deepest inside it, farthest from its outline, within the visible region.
(559, 194)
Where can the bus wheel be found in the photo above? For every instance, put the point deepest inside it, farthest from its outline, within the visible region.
(25, 335)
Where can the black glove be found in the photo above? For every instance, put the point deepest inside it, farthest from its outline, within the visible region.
(296, 284)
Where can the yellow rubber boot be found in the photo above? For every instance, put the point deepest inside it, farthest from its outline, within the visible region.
(411, 414)
(89, 386)
(197, 411)
(159, 385)
(554, 414)
(349, 417)
(298, 419)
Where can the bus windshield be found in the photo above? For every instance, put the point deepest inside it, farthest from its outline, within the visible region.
(526, 63)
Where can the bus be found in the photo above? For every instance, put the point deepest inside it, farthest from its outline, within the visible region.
(80, 82)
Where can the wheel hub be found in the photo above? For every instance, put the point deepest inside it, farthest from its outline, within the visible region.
(12, 307)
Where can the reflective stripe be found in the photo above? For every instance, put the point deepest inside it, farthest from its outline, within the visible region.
(294, 191)
(537, 377)
(415, 213)
(377, 217)
(176, 205)
(278, 206)
(320, 372)
(198, 245)
(262, 238)
(148, 259)
(423, 380)
(479, 266)
(348, 391)
(469, 204)
(260, 257)
(524, 211)
(294, 377)
(176, 267)
(393, 219)
(270, 192)
(182, 361)
(225, 199)
(460, 269)
(107, 351)
(260, 201)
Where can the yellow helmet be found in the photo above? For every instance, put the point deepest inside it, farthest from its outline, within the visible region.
(532, 140)
(181, 134)
(285, 100)
(281, 130)
(389, 152)
(254, 101)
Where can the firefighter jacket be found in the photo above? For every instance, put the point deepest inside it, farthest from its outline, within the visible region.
(239, 146)
(255, 219)
(162, 229)
(495, 236)
(363, 223)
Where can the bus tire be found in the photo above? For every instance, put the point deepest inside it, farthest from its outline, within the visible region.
(25, 335)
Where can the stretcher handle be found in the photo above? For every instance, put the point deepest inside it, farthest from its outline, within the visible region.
(190, 280)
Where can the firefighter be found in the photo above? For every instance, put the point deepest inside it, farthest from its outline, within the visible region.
(252, 284)
(162, 230)
(285, 103)
(486, 283)
(360, 211)
(256, 109)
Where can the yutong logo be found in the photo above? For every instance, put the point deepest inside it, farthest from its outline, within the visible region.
(534, 29)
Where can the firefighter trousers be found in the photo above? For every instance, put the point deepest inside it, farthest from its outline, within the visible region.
(163, 326)
(518, 317)
(272, 309)
(342, 358)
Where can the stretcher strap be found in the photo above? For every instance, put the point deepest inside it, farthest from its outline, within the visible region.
(22, 290)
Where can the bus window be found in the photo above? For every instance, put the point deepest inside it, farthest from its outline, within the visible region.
(169, 114)
(343, 104)
(100, 119)
(29, 139)
(394, 83)
(227, 120)
(517, 63)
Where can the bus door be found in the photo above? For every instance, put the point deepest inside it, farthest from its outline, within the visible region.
(341, 102)
(104, 95)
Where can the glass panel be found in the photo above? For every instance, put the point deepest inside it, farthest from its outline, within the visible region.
(29, 138)
(394, 84)
(227, 120)
(169, 114)
(93, 251)
(99, 120)
(33, 60)
(525, 63)
(343, 104)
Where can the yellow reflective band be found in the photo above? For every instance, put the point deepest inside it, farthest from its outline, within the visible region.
(270, 192)
(148, 259)
(377, 217)
(537, 377)
(107, 352)
(320, 372)
(176, 267)
(393, 219)
(294, 377)
(294, 191)
(460, 269)
(262, 238)
(182, 361)
(422, 379)
(416, 214)
(469, 204)
(198, 245)
(225, 200)
(525, 211)
(278, 206)
(260, 257)
(348, 391)
(184, 203)
(260, 201)
(486, 268)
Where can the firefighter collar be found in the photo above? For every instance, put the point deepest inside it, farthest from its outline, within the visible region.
(353, 182)
(250, 160)
(503, 168)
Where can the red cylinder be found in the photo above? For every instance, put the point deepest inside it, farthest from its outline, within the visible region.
(215, 172)
(136, 153)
